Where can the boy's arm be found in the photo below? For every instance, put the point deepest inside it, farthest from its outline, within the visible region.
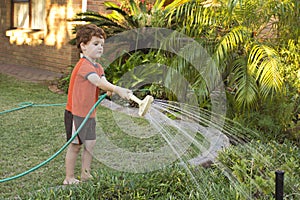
(103, 84)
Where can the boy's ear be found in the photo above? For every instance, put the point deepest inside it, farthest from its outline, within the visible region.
(82, 46)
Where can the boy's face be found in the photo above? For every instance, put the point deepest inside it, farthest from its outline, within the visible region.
(94, 48)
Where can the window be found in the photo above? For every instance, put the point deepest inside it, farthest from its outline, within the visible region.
(28, 14)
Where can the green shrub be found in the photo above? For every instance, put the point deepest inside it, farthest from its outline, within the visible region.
(275, 119)
(63, 82)
(254, 166)
(290, 56)
(140, 70)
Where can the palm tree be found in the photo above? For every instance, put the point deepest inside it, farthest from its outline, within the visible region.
(249, 65)
(136, 14)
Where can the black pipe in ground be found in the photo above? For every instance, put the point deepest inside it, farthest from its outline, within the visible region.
(279, 185)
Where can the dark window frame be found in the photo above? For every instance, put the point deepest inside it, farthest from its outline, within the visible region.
(30, 14)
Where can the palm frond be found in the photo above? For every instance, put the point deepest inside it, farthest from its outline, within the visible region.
(99, 20)
(158, 5)
(118, 10)
(123, 18)
(245, 85)
(134, 8)
(246, 13)
(90, 16)
(197, 18)
(110, 4)
(175, 4)
(230, 43)
(264, 62)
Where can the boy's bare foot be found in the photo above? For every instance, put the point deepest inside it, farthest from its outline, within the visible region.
(86, 177)
(71, 181)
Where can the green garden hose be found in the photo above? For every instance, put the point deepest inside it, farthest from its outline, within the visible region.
(30, 104)
(25, 105)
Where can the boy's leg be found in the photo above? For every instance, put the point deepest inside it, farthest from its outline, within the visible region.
(87, 156)
(72, 153)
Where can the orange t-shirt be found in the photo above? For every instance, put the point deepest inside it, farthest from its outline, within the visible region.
(82, 94)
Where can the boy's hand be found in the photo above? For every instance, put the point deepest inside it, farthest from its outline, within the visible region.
(109, 93)
(123, 92)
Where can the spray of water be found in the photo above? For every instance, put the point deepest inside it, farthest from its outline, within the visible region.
(189, 121)
(190, 140)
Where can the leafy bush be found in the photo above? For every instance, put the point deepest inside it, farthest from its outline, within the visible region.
(254, 166)
(63, 82)
(140, 70)
(279, 117)
(290, 56)
(272, 120)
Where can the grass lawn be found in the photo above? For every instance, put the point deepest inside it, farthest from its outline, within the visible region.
(31, 135)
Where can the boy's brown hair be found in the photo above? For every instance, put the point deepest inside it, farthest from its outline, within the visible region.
(86, 32)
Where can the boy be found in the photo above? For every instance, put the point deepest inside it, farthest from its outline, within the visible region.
(86, 79)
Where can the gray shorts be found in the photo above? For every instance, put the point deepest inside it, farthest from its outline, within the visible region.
(73, 122)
